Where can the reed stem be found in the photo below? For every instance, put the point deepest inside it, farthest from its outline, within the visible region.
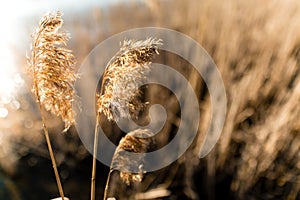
(95, 150)
(107, 184)
(58, 182)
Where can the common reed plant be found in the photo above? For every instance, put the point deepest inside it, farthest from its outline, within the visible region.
(119, 94)
(51, 66)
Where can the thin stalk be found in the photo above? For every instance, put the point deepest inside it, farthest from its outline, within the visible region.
(58, 182)
(107, 184)
(95, 150)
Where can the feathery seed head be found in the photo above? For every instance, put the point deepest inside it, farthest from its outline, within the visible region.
(137, 141)
(51, 65)
(122, 77)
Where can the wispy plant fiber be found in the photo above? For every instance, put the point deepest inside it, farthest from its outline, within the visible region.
(137, 141)
(51, 64)
(123, 75)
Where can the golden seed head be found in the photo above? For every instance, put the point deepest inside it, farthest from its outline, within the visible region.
(51, 65)
(137, 141)
(122, 77)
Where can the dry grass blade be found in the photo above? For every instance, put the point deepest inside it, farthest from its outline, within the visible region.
(51, 65)
(123, 76)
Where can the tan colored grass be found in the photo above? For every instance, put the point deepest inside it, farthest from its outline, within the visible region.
(255, 50)
(119, 93)
(53, 76)
(51, 64)
(137, 141)
(122, 77)
(256, 47)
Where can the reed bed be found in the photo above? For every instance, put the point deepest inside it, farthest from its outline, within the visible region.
(256, 48)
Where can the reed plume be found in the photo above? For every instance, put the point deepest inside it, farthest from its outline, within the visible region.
(123, 76)
(51, 65)
(53, 76)
(119, 93)
(131, 164)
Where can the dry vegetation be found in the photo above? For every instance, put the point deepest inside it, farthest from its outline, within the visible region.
(256, 46)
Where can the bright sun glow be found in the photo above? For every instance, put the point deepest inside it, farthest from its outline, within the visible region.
(10, 79)
(7, 62)
(12, 18)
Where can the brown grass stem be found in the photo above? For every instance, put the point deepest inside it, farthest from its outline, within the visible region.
(58, 182)
(95, 150)
(107, 184)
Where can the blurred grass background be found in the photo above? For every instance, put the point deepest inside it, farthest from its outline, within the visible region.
(256, 46)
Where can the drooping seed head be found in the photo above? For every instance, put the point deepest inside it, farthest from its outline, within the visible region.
(51, 65)
(126, 160)
(123, 76)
